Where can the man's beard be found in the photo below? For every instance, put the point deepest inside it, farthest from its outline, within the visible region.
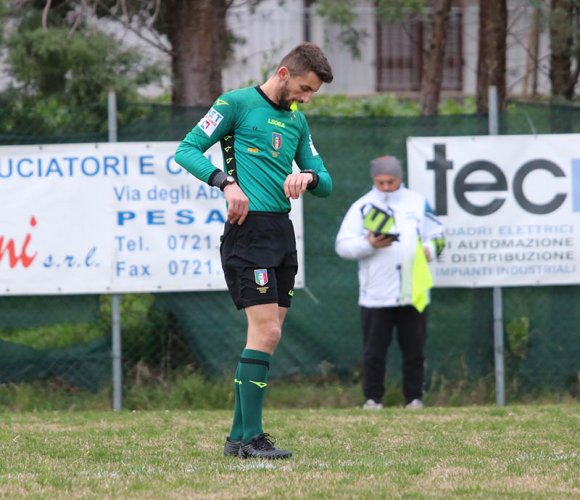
(283, 100)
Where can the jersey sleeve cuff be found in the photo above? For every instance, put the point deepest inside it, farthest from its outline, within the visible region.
(217, 178)
(312, 184)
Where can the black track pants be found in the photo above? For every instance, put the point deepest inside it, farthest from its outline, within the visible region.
(378, 325)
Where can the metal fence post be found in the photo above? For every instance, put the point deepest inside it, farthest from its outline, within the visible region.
(497, 291)
(116, 356)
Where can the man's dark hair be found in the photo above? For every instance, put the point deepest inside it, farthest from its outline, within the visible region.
(308, 57)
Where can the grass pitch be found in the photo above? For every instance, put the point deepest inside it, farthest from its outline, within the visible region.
(482, 452)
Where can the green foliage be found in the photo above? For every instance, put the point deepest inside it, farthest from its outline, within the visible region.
(2, 19)
(379, 105)
(53, 336)
(56, 114)
(342, 105)
(136, 324)
(37, 114)
(518, 334)
(79, 67)
(58, 70)
(144, 332)
(51, 396)
(464, 106)
(565, 34)
(394, 10)
(187, 390)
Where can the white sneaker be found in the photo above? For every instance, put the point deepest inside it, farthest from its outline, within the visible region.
(416, 404)
(371, 404)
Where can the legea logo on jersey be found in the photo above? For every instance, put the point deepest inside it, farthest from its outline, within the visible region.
(210, 121)
(480, 187)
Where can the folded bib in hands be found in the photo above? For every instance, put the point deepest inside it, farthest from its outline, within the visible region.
(379, 222)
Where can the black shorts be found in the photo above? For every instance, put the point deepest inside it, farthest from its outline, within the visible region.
(259, 259)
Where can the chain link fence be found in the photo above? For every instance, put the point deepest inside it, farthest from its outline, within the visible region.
(66, 340)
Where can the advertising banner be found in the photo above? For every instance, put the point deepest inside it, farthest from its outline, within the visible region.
(110, 218)
(510, 204)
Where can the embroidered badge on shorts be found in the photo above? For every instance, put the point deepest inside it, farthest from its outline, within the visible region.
(276, 140)
(261, 276)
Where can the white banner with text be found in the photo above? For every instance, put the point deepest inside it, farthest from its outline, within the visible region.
(110, 218)
(510, 204)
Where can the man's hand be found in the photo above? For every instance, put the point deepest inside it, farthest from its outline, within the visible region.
(380, 241)
(237, 204)
(296, 184)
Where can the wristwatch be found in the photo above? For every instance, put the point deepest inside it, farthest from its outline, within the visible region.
(314, 182)
(230, 179)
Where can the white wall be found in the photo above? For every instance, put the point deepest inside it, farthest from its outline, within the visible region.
(272, 31)
(470, 29)
(351, 76)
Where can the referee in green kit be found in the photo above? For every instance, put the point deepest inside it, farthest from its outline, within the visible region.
(261, 133)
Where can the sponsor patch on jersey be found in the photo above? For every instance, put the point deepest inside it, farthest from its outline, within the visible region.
(312, 148)
(253, 150)
(276, 140)
(261, 276)
(210, 121)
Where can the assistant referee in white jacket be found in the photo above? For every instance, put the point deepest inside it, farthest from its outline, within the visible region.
(392, 232)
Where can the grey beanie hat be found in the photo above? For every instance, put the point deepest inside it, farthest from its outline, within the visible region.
(388, 165)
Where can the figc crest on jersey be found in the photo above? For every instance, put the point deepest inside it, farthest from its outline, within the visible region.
(276, 140)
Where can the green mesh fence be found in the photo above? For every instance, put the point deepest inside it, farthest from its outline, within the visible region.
(166, 332)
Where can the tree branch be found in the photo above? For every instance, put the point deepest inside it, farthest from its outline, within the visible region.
(45, 14)
(154, 41)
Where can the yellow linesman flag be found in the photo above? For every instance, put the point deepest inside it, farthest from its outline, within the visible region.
(422, 279)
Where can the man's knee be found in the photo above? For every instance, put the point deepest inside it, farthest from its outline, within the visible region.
(272, 334)
(265, 336)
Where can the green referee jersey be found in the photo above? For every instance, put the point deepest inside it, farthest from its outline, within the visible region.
(259, 140)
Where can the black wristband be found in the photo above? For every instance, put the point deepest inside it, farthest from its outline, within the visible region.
(217, 178)
(314, 182)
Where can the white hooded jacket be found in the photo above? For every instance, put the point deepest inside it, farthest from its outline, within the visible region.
(385, 274)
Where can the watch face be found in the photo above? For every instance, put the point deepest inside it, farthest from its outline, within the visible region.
(230, 179)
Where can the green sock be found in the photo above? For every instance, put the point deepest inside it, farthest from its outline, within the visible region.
(237, 431)
(254, 367)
